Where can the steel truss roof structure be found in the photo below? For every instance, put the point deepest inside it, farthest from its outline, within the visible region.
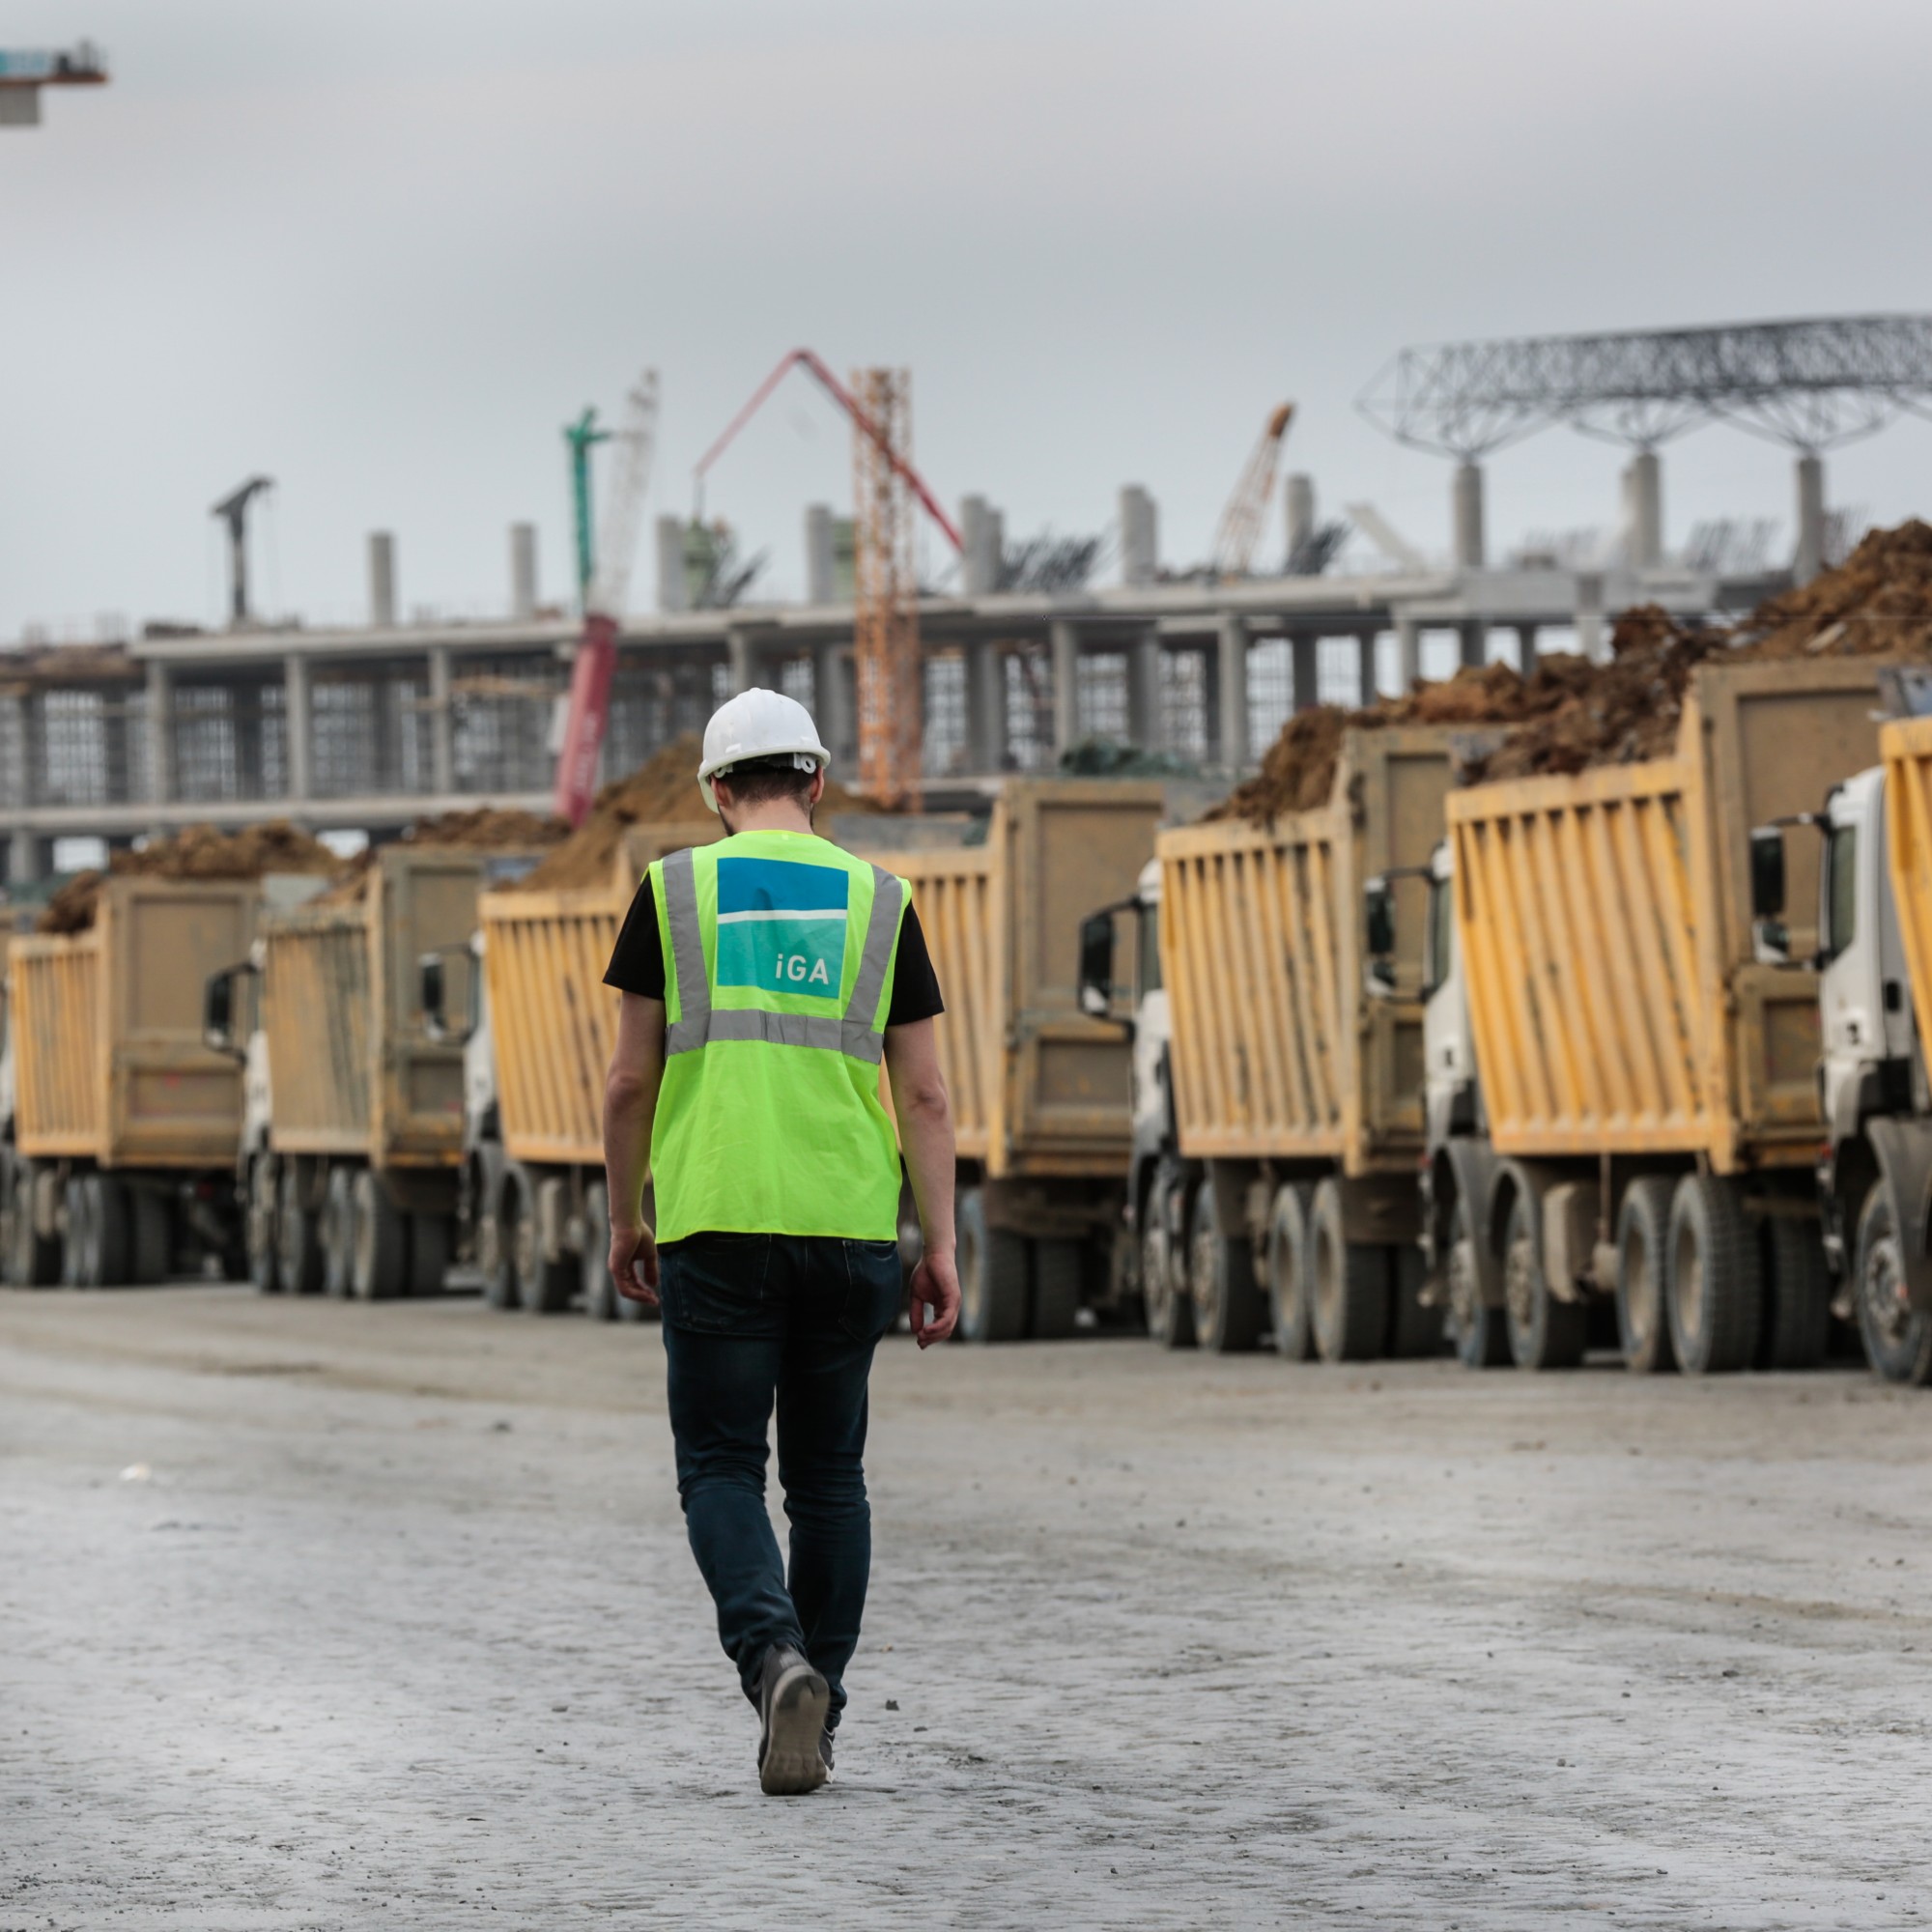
(1812, 384)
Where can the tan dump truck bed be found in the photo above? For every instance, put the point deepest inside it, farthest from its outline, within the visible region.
(109, 1059)
(1039, 1089)
(552, 1021)
(1906, 746)
(1606, 929)
(352, 1066)
(1276, 1052)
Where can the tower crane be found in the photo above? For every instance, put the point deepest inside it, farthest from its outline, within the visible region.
(1241, 525)
(603, 575)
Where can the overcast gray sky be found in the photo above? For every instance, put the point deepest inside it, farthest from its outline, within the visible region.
(382, 251)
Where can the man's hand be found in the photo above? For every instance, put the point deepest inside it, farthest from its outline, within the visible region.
(932, 1302)
(634, 1265)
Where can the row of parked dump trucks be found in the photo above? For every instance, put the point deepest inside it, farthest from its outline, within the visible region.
(1517, 1066)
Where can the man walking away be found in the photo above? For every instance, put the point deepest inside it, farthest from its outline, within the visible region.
(763, 978)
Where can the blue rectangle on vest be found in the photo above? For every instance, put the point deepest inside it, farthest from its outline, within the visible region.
(781, 885)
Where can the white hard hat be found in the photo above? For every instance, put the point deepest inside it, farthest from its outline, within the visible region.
(758, 723)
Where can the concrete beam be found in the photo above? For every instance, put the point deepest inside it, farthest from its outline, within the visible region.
(1810, 559)
(442, 722)
(301, 732)
(986, 706)
(1367, 686)
(1305, 669)
(1144, 722)
(1409, 652)
(160, 734)
(833, 696)
(1065, 641)
(1467, 512)
(741, 659)
(1645, 484)
(1231, 651)
(1472, 641)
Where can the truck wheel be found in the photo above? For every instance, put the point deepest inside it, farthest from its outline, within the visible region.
(543, 1287)
(1220, 1281)
(73, 1268)
(992, 1275)
(1416, 1329)
(1170, 1308)
(1478, 1333)
(1544, 1332)
(338, 1233)
(150, 1226)
(1057, 1267)
(1643, 1248)
(429, 1253)
(297, 1239)
(600, 1292)
(1715, 1281)
(32, 1260)
(265, 1268)
(1289, 1302)
(1897, 1337)
(379, 1240)
(1796, 1295)
(1351, 1283)
(112, 1235)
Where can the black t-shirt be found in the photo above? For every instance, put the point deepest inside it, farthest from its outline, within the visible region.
(638, 966)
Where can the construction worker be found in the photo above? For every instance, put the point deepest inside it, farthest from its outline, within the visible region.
(763, 978)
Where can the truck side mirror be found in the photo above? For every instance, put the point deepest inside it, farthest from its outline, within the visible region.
(1770, 936)
(1379, 939)
(1096, 965)
(446, 982)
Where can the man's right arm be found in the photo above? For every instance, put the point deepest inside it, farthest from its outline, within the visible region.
(925, 1111)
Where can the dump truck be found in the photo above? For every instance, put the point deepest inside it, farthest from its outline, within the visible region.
(1040, 1088)
(119, 1142)
(1873, 957)
(352, 1132)
(1278, 1108)
(1648, 1109)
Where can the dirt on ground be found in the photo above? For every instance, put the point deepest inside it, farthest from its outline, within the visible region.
(661, 791)
(323, 1616)
(197, 852)
(1878, 603)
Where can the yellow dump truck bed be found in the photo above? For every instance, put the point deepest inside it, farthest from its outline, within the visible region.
(1606, 929)
(1906, 746)
(1276, 1052)
(109, 1060)
(352, 1066)
(1039, 1089)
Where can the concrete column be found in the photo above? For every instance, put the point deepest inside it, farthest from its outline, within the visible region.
(523, 572)
(1473, 645)
(673, 594)
(382, 580)
(1366, 644)
(818, 554)
(742, 660)
(160, 733)
(1065, 645)
(1466, 508)
(1305, 672)
(1144, 691)
(1590, 640)
(24, 857)
(1646, 510)
(1810, 559)
(1231, 656)
(441, 724)
(1300, 494)
(833, 701)
(1140, 536)
(1407, 653)
(1525, 648)
(986, 706)
(978, 548)
(302, 739)
(15, 788)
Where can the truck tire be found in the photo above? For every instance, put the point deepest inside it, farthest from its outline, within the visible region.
(430, 1244)
(1416, 1329)
(1350, 1283)
(265, 1262)
(1478, 1333)
(1797, 1294)
(380, 1241)
(992, 1275)
(1220, 1281)
(1291, 1306)
(298, 1238)
(1057, 1269)
(338, 1233)
(75, 1233)
(1544, 1332)
(1898, 1338)
(112, 1235)
(1170, 1308)
(1716, 1278)
(1643, 1269)
(32, 1260)
(543, 1287)
(150, 1226)
(600, 1292)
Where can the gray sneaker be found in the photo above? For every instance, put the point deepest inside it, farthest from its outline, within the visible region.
(792, 1702)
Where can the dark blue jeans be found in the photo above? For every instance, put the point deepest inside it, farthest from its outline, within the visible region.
(749, 1320)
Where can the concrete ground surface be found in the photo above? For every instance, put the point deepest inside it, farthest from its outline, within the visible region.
(327, 1616)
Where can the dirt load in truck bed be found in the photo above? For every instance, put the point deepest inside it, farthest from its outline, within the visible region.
(1878, 603)
(196, 852)
(663, 791)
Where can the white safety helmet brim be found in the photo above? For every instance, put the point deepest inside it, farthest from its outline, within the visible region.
(758, 723)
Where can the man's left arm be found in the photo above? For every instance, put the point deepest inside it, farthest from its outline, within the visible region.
(629, 1106)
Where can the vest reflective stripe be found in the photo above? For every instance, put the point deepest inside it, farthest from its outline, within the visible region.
(698, 1023)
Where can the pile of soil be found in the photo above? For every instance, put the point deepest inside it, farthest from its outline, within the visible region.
(662, 791)
(1298, 772)
(197, 852)
(1878, 603)
(482, 829)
